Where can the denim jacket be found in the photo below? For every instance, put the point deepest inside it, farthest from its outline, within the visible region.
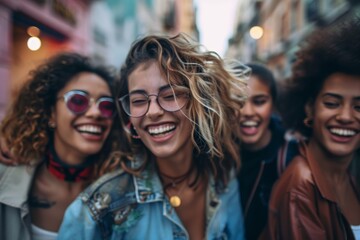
(123, 206)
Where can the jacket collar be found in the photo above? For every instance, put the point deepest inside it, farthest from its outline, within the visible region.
(148, 187)
(15, 184)
(323, 185)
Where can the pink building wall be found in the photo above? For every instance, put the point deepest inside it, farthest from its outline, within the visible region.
(16, 60)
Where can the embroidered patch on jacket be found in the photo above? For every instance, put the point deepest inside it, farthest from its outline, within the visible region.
(123, 221)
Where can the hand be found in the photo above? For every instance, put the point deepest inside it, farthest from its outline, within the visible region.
(5, 155)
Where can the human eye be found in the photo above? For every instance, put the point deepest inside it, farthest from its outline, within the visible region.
(138, 99)
(331, 104)
(332, 101)
(167, 95)
(78, 99)
(259, 101)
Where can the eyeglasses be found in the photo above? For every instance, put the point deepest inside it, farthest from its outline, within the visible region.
(171, 99)
(78, 102)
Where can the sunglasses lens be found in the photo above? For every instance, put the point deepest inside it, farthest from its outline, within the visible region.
(107, 108)
(78, 103)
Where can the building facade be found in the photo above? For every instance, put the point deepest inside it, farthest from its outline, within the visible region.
(103, 30)
(61, 26)
(285, 24)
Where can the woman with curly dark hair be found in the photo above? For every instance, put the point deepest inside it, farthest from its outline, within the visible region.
(59, 128)
(178, 181)
(316, 197)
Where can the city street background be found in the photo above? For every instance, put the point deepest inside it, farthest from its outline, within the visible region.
(267, 31)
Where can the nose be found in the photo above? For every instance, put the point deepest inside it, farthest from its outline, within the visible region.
(93, 110)
(154, 108)
(345, 114)
(247, 109)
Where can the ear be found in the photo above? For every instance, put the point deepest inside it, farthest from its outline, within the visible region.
(52, 115)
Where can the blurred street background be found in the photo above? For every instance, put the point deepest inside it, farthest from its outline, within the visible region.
(268, 31)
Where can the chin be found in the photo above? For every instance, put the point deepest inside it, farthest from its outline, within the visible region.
(250, 140)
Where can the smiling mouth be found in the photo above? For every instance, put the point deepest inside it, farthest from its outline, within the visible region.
(90, 129)
(161, 130)
(343, 132)
(249, 124)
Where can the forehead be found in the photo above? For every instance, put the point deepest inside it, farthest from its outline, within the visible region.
(147, 76)
(257, 86)
(89, 82)
(342, 84)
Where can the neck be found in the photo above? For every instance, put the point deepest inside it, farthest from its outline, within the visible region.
(262, 143)
(334, 167)
(175, 166)
(66, 172)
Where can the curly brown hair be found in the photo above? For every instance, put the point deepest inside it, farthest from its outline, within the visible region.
(25, 126)
(335, 49)
(217, 94)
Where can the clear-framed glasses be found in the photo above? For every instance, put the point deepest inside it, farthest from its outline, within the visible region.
(78, 102)
(170, 98)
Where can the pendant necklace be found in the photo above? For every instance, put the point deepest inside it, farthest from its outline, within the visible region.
(175, 200)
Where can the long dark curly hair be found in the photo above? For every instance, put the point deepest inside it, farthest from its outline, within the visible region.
(335, 49)
(25, 126)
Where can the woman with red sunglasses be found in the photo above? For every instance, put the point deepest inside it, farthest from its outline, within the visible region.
(60, 129)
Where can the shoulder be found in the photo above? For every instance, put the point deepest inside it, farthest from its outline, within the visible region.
(109, 193)
(105, 182)
(297, 178)
(3, 169)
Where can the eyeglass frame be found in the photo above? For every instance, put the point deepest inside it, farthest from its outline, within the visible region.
(66, 97)
(121, 99)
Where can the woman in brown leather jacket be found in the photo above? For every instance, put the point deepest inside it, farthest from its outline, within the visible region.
(316, 197)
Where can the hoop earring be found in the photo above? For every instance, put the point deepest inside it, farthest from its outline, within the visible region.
(308, 122)
(132, 131)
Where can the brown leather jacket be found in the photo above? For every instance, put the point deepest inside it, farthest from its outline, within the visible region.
(303, 205)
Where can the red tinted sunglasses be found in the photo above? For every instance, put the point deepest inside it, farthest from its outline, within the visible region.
(78, 102)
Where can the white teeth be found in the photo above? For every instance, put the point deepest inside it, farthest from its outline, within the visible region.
(249, 123)
(161, 129)
(342, 132)
(90, 129)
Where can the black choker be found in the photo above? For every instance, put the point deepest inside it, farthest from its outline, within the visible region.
(66, 172)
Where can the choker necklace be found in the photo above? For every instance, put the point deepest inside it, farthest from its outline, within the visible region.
(175, 200)
(66, 172)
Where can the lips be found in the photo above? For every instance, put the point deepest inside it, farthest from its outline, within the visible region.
(90, 129)
(343, 132)
(160, 129)
(249, 127)
(249, 124)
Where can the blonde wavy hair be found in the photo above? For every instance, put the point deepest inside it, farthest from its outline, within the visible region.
(217, 90)
(25, 126)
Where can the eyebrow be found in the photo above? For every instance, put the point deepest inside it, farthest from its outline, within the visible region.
(332, 95)
(143, 91)
(338, 96)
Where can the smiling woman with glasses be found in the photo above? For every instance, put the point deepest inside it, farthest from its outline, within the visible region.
(178, 177)
(60, 130)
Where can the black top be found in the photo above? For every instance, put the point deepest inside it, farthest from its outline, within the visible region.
(258, 174)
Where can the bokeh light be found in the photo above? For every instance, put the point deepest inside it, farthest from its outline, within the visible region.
(256, 32)
(34, 43)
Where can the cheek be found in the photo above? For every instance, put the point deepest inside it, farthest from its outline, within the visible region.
(110, 123)
(265, 112)
(135, 122)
